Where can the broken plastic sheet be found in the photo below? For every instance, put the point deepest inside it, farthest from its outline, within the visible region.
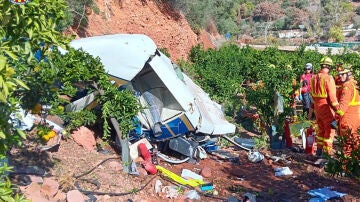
(326, 193)
(282, 171)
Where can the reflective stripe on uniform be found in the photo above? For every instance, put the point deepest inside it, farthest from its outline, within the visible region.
(327, 140)
(340, 112)
(327, 148)
(354, 102)
(323, 93)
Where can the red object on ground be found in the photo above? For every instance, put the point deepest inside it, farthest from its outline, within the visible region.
(145, 154)
(310, 140)
(149, 167)
(287, 133)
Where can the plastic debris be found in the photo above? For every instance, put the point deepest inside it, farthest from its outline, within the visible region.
(178, 179)
(281, 158)
(207, 187)
(316, 199)
(192, 195)
(326, 193)
(255, 156)
(188, 174)
(200, 152)
(246, 142)
(232, 199)
(158, 186)
(249, 197)
(133, 169)
(283, 171)
(222, 154)
(170, 191)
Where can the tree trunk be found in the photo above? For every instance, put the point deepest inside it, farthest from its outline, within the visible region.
(125, 150)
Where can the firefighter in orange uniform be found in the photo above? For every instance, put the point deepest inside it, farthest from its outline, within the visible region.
(349, 110)
(323, 91)
(338, 83)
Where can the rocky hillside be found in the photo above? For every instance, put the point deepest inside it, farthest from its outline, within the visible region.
(169, 29)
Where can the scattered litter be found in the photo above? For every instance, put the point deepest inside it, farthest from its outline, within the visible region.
(133, 169)
(321, 162)
(249, 197)
(188, 174)
(246, 142)
(21, 119)
(325, 193)
(206, 187)
(170, 191)
(179, 179)
(232, 199)
(223, 154)
(215, 193)
(316, 199)
(211, 147)
(281, 158)
(200, 152)
(192, 195)
(282, 171)
(158, 186)
(255, 156)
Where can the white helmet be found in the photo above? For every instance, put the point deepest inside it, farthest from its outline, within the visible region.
(308, 66)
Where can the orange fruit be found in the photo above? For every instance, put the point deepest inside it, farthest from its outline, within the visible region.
(51, 134)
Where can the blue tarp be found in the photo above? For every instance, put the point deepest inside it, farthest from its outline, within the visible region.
(325, 193)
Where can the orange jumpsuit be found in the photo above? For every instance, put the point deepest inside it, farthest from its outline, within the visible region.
(338, 84)
(323, 91)
(349, 112)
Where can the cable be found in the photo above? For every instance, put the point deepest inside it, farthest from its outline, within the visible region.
(86, 192)
(87, 172)
(97, 184)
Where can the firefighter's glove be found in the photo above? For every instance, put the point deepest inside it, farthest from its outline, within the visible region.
(334, 124)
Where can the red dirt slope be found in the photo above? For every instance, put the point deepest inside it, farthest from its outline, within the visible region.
(169, 29)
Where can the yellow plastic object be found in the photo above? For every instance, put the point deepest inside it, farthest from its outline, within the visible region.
(179, 179)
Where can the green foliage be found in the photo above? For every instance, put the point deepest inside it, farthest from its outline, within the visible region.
(76, 119)
(357, 10)
(165, 51)
(27, 82)
(335, 32)
(341, 164)
(6, 188)
(76, 14)
(258, 75)
(261, 142)
(25, 29)
(77, 71)
(226, 72)
(234, 16)
(227, 25)
(121, 105)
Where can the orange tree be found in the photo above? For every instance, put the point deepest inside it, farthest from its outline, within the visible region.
(31, 72)
(223, 74)
(24, 29)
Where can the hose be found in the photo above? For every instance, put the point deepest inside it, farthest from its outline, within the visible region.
(96, 183)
